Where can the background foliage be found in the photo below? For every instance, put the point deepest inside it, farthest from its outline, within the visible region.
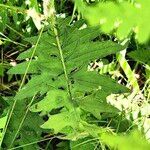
(74, 74)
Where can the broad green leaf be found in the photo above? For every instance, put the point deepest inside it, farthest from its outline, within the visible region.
(45, 39)
(91, 51)
(97, 105)
(90, 81)
(21, 68)
(39, 83)
(54, 99)
(60, 121)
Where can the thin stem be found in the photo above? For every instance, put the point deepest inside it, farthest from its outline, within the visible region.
(2, 62)
(48, 145)
(62, 60)
(5, 38)
(51, 138)
(127, 70)
(85, 142)
(118, 126)
(72, 17)
(65, 72)
(9, 40)
(14, 30)
(31, 58)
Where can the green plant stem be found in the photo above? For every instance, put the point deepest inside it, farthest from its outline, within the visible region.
(127, 70)
(52, 20)
(48, 144)
(129, 73)
(51, 138)
(2, 62)
(9, 40)
(118, 125)
(136, 66)
(14, 30)
(85, 142)
(34, 50)
(72, 17)
(65, 72)
(62, 60)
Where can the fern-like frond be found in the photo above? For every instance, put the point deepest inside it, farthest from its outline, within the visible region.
(61, 61)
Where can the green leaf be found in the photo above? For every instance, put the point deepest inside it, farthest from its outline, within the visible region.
(60, 64)
(3, 19)
(34, 86)
(96, 105)
(123, 16)
(59, 121)
(2, 125)
(54, 99)
(99, 50)
(30, 130)
(141, 55)
(133, 141)
(88, 81)
(3, 122)
(21, 68)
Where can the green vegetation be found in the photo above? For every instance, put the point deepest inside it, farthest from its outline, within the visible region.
(75, 75)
